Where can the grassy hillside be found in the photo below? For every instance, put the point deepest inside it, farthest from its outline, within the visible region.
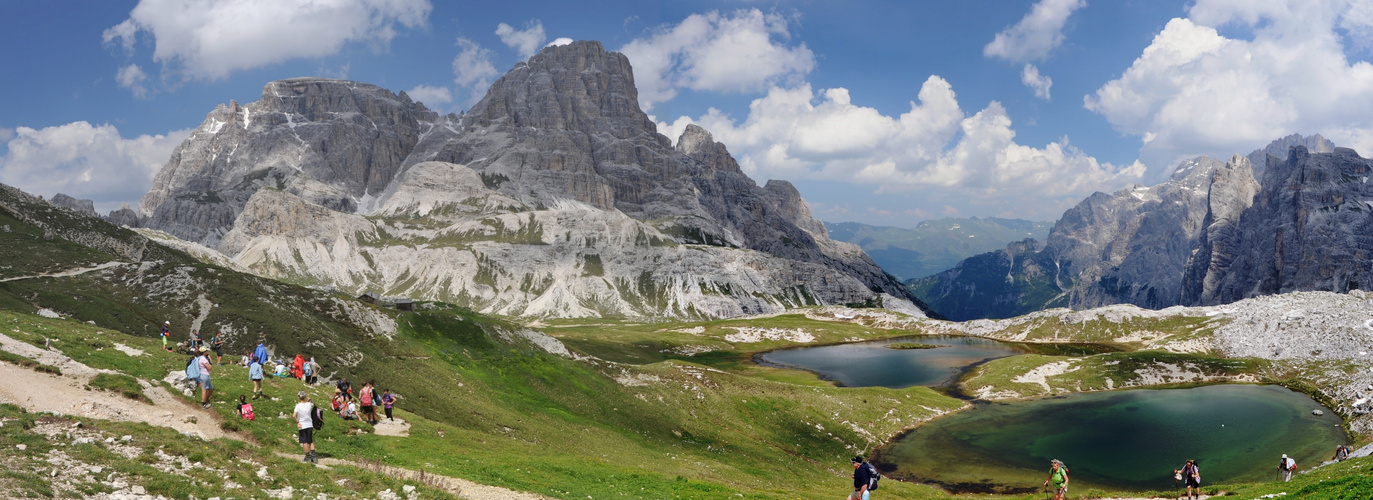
(934, 246)
(631, 410)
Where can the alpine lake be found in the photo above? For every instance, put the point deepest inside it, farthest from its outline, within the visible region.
(1116, 440)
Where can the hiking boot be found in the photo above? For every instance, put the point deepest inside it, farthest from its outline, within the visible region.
(205, 405)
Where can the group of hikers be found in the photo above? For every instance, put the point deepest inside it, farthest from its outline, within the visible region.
(364, 405)
(865, 476)
(308, 417)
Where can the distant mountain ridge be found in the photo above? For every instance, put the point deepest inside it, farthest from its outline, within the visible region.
(936, 245)
(1214, 233)
(553, 196)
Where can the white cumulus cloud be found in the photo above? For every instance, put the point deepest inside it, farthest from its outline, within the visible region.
(742, 51)
(472, 68)
(208, 40)
(526, 41)
(934, 149)
(132, 77)
(1038, 83)
(1194, 90)
(1038, 33)
(86, 161)
(432, 97)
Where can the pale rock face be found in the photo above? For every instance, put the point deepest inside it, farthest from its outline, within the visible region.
(331, 141)
(569, 260)
(553, 196)
(1213, 234)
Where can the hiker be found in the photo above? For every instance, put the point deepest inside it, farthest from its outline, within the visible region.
(166, 334)
(862, 479)
(369, 409)
(388, 399)
(1191, 476)
(255, 375)
(245, 409)
(1058, 474)
(1286, 466)
(350, 409)
(195, 340)
(298, 367)
(280, 370)
(260, 353)
(345, 387)
(206, 388)
(307, 372)
(336, 403)
(247, 356)
(314, 371)
(1341, 453)
(217, 345)
(305, 427)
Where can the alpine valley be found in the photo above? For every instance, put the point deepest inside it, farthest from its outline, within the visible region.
(575, 306)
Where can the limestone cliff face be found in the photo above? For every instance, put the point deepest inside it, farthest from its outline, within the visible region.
(1310, 227)
(554, 195)
(333, 142)
(1212, 234)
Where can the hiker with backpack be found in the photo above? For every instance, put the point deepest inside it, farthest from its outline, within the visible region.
(369, 407)
(245, 409)
(1285, 467)
(345, 387)
(1191, 476)
(199, 370)
(305, 426)
(1341, 453)
(195, 340)
(314, 371)
(865, 478)
(307, 372)
(1058, 474)
(255, 375)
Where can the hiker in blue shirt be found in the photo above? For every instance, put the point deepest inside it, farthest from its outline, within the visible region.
(255, 374)
(260, 353)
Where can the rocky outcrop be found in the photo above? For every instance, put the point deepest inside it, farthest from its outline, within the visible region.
(1276, 152)
(334, 142)
(1210, 235)
(83, 206)
(560, 134)
(1309, 228)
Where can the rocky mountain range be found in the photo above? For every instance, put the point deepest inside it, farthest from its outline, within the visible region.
(1288, 217)
(552, 196)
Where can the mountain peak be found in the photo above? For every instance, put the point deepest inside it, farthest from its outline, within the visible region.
(577, 87)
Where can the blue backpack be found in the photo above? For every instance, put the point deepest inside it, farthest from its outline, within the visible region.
(193, 369)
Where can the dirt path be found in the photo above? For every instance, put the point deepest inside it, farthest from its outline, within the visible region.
(67, 273)
(67, 395)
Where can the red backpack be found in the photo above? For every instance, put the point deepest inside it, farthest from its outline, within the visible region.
(247, 410)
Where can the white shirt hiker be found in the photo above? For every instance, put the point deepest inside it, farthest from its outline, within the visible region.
(302, 414)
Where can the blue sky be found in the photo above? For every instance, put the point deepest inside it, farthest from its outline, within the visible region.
(880, 112)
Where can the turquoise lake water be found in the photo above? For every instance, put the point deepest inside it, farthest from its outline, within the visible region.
(1119, 440)
(868, 364)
